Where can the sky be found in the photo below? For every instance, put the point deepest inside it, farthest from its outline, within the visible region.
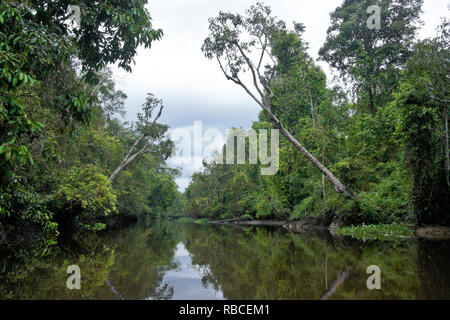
(193, 88)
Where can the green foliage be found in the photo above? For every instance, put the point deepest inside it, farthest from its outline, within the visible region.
(163, 192)
(59, 135)
(110, 31)
(94, 227)
(268, 206)
(17, 43)
(371, 58)
(378, 232)
(84, 188)
(389, 200)
(20, 205)
(202, 221)
(147, 186)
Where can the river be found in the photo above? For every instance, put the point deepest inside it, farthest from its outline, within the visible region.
(180, 260)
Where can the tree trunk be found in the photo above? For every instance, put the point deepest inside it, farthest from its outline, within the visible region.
(266, 103)
(122, 166)
(116, 172)
(338, 186)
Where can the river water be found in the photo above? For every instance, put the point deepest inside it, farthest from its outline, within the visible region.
(175, 260)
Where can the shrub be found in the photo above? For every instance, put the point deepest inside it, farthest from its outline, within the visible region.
(22, 205)
(86, 189)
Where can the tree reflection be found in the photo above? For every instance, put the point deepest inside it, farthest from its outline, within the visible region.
(242, 263)
(262, 263)
(127, 265)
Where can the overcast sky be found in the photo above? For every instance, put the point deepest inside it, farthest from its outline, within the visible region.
(192, 87)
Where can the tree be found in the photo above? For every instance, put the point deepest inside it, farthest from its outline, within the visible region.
(433, 58)
(232, 41)
(18, 42)
(59, 138)
(371, 58)
(152, 135)
(38, 43)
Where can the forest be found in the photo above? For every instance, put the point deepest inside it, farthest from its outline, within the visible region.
(372, 150)
(68, 161)
(369, 148)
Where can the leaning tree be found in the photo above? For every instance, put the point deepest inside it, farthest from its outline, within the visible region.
(242, 45)
(151, 137)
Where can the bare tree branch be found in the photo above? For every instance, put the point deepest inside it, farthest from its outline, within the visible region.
(252, 69)
(149, 126)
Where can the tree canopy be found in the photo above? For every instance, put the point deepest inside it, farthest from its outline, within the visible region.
(371, 58)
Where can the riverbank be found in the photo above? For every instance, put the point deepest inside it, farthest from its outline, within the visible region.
(362, 232)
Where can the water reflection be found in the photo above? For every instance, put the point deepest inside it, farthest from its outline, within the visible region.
(172, 260)
(187, 280)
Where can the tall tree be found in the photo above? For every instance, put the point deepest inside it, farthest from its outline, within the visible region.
(244, 43)
(371, 57)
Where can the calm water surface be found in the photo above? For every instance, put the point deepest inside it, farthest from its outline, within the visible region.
(174, 260)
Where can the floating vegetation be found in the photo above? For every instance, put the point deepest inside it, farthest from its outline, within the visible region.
(378, 232)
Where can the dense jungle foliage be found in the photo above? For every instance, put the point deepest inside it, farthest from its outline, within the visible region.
(61, 134)
(384, 134)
